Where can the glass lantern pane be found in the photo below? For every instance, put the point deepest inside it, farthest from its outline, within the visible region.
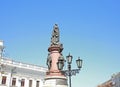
(79, 63)
(69, 59)
(60, 65)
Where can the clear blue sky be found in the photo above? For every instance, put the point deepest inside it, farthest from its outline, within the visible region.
(88, 28)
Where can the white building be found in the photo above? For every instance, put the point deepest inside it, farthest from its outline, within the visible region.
(18, 74)
(116, 80)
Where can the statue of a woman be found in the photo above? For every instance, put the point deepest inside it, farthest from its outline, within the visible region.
(55, 36)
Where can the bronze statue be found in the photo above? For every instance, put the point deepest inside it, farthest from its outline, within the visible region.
(55, 36)
(49, 60)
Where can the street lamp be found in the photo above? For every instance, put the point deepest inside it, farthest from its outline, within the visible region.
(11, 74)
(70, 71)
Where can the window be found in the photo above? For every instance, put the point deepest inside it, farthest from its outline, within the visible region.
(37, 83)
(4, 79)
(13, 81)
(22, 82)
(30, 83)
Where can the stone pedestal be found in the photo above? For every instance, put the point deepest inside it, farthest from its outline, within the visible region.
(55, 81)
(54, 77)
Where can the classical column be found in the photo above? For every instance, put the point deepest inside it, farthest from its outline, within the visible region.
(54, 76)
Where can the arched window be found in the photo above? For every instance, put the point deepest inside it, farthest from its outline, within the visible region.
(37, 83)
(4, 79)
(13, 81)
(22, 82)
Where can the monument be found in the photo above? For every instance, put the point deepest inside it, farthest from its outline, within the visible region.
(54, 76)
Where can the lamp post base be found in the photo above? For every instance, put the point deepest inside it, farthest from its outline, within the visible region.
(55, 81)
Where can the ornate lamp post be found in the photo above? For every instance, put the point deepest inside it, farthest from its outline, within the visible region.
(70, 71)
(11, 74)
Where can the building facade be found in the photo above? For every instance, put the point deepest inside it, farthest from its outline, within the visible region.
(116, 80)
(113, 82)
(106, 84)
(18, 74)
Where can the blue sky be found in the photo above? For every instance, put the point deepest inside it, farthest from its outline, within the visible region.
(88, 28)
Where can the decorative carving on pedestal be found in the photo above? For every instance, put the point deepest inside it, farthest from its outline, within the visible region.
(49, 61)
